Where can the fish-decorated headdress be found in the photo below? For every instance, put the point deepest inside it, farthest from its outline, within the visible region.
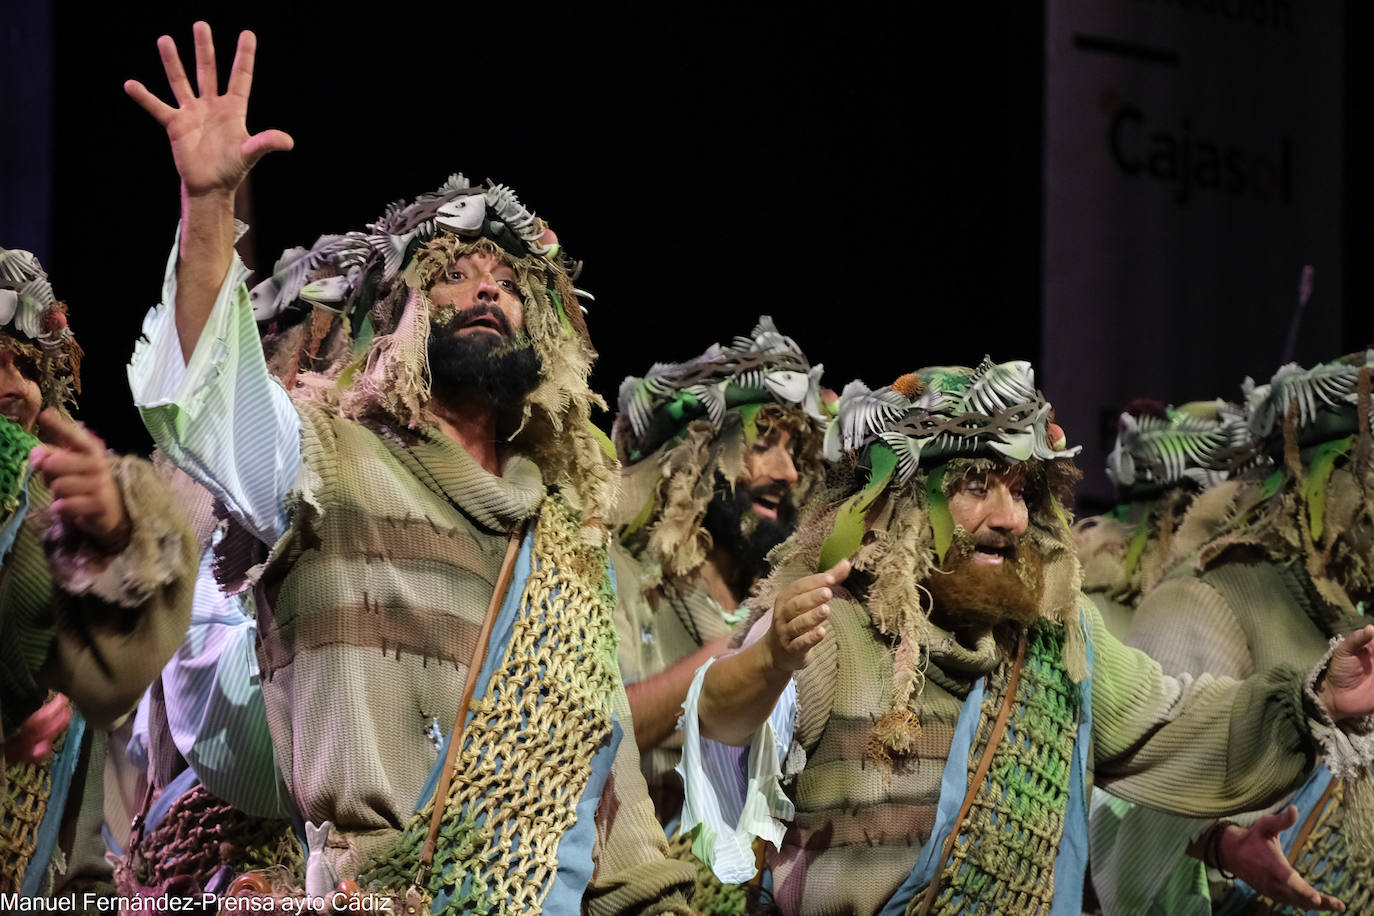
(34, 322)
(1321, 404)
(681, 424)
(1198, 444)
(368, 338)
(1164, 459)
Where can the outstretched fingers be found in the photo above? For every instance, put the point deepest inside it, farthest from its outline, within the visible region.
(241, 74)
(1301, 894)
(264, 142)
(176, 73)
(207, 79)
(150, 103)
(1286, 885)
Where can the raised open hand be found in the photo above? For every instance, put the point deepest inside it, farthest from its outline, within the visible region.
(1255, 856)
(799, 616)
(1346, 688)
(211, 145)
(77, 471)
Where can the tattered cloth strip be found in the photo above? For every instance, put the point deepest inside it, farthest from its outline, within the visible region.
(1003, 858)
(528, 746)
(26, 791)
(200, 835)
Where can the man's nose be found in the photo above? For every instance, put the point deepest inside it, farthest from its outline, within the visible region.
(1005, 512)
(780, 466)
(487, 288)
(9, 372)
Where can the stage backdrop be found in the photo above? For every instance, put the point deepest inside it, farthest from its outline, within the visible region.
(1193, 167)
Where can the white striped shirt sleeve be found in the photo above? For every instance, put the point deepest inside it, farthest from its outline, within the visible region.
(215, 707)
(222, 418)
(732, 799)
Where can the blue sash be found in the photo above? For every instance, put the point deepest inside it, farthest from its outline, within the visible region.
(62, 770)
(11, 527)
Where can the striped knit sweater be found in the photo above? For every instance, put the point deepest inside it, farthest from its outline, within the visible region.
(1243, 614)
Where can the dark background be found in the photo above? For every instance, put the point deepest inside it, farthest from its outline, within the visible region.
(869, 175)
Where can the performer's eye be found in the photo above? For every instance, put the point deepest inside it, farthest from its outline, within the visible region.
(508, 286)
(456, 275)
(975, 487)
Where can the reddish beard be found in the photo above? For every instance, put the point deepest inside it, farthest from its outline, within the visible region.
(968, 594)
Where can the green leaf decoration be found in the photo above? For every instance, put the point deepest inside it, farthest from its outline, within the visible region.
(562, 313)
(363, 342)
(1059, 512)
(941, 522)
(848, 532)
(1272, 484)
(603, 440)
(749, 414)
(1136, 550)
(1314, 487)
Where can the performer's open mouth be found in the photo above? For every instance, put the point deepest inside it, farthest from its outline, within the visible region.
(767, 502)
(993, 554)
(481, 318)
(482, 323)
(11, 406)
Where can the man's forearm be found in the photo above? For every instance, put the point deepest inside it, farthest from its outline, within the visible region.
(207, 250)
(738, 694)
(656, 702)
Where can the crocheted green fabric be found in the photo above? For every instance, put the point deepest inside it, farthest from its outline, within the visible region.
(15, 445)
(1003, 858)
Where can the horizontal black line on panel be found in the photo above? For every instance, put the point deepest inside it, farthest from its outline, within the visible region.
(1145, 53)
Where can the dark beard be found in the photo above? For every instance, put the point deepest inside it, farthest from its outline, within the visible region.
(500, 372)
(969, 595)
(743, 534)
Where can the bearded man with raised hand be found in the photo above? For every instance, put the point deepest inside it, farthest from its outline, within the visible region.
(718, 453)
(95, 587)
(437, 648)
(931, 697)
